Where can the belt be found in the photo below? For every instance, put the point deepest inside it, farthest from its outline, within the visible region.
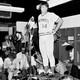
(43, 34)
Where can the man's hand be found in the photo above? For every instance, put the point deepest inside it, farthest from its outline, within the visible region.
(53, 32)
(66, 61)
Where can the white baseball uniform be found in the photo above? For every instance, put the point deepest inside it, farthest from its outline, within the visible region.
(22, 59)
(12, 67)
(46, 41)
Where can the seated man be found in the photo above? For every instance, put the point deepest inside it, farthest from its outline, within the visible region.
(23, 63)
(75, 70)
(11, 65)
(22, 59)
(70, 49)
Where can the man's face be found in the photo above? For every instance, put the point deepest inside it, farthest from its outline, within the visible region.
(7, 40)
(71, 53)
(11, 59)
(44, 8)
(23, 50)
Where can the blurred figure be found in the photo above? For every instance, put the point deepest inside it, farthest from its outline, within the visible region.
(34, 33)
(26, 35)
(18, 39)
(11, 65)
(75, 69)
(22, 59)
(7, 46)
(2, 75)
(70, 49)
(36, 62)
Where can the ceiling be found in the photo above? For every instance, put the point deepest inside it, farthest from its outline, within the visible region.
(64, 10)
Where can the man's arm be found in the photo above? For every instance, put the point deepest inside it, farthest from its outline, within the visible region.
(58, 24)
(12, 45)
(6, 63)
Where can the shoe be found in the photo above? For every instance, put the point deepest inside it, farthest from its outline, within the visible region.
(50, 75)
(42, 74)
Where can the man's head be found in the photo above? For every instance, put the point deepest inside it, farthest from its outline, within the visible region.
(44, 7)
(12, 56)
(19, 56)
(8, 49)
(7, 38)
(70, 49)
(23, 50)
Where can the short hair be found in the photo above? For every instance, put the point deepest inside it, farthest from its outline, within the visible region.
(12, 56)
(23, 49)
(69, 47)
(6, 37)
(8, 48)
(44, 3)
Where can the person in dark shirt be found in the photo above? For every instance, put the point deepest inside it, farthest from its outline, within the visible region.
(17, 41)
(75, 70)
(70, 49)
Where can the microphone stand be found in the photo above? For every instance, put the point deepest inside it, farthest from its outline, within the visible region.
(30, 54)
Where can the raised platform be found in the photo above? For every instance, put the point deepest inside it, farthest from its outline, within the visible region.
(56, 77)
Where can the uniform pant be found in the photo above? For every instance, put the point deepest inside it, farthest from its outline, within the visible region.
(12, 73)
(46, 44)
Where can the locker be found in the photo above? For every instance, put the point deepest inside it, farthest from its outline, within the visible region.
(77, 46)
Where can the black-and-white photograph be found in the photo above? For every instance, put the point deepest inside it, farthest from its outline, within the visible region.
(39, 39)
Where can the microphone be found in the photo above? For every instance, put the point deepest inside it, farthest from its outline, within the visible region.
(32, 18)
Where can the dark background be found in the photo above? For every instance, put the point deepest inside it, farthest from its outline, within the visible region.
(64, 10)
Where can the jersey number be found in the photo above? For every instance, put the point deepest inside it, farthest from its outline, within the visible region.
(44, 25)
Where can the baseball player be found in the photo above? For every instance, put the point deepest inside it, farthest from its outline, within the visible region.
(48, 23)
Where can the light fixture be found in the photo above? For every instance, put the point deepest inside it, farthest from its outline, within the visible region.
(65, 44)
(53, 3)
(11, 9)
(44, 0)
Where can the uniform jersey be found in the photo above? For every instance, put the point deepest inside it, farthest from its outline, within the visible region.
(1, 62)
(22, 59)
(46, 22)
(11, 65)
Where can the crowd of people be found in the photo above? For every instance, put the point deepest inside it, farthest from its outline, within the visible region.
(13, 63)
(24, 63)
(36, 55)
(14, 58)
